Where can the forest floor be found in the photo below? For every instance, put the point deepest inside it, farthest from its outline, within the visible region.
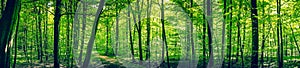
(106, 62)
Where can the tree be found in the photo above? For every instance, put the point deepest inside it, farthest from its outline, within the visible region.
(165, 44)
(148, 12)
(16, 38)
(7, 24)
(223, 30)
(230, 33)
(254, 57)
(117, 29)
(92, 38)
(130, 33)
(210, 26)
(83, 29)
(204, 35)
(279, 36)
(56, 32)
(139, 29)
(191, 36)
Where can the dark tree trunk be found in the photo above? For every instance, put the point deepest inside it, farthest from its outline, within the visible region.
(230, 32)
(7, 24)
(56, 33)
(107, 37)
(130, 33)
(139, 29)
(254, 57)
(148, 30)
(295, 40)
(279, 36)
(16, 38)
(203, 36)
(117, 29)
(164, 33)
(40, 37)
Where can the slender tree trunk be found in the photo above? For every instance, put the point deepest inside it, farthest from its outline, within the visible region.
(254, 57)
(204, 35)
(223, 30)
(92, 38)
(139, 30)
(56, 33)
(40, 37)
(46, 36)
(68, 35)
(191, 36)
(16, 39)
(295, 40)
(83, 28)
(279, 36)
(130, 33)
(230, 35)
(117, 30)
(164, 32)
(107, 37)
(148, 30)
(210, 26)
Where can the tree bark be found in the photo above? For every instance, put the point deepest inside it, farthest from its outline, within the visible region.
(92, 38)
(117, 29)
(210, 33)
(230, 32)
(7, 23)
(139, 29)
(16, 39)
(223, 30)
(83, 28)
(191, 36)
(204, 35)
(254, 57)
(148, 30)
(56, 32)
(130, 33)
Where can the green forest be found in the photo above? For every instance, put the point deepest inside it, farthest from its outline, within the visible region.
(150, 34)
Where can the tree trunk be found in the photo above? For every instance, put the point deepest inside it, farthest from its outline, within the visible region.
(130, 33)
(16, 39)
(204, 35)
(7, 23)
(191, 37)
(40, 37)
(164, 32)
(254, 57)
(83, 28)
(279, 36)
(139, 29)
(56, 33)
(295, 40)
(148, 30)
(230, 32)
(92, 38)
(117, 29)
(210, 26)
(223, 31)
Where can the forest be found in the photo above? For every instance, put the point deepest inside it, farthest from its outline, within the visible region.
(149, 34)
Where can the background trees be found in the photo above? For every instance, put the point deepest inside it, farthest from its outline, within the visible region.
(166, 33)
